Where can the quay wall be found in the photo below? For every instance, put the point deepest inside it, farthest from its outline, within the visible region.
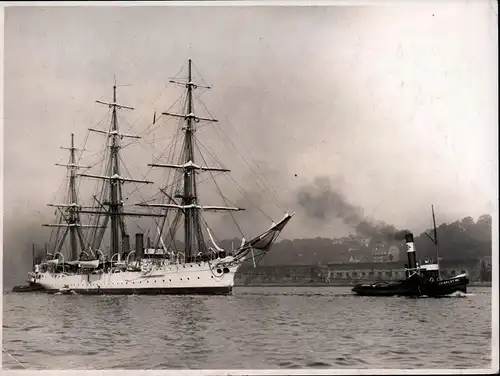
(350, 273)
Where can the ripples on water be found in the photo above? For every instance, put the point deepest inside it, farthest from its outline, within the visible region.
(255, 328)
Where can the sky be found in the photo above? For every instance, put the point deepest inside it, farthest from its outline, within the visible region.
(395, 106)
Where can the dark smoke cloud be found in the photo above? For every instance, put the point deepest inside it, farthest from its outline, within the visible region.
(400, 235)
(323, 202)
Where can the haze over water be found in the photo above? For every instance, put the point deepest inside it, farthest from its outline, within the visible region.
(255, 328)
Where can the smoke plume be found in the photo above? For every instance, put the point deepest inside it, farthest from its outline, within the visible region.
(322, 202)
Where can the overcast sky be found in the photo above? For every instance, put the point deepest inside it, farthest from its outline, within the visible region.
(398, 104)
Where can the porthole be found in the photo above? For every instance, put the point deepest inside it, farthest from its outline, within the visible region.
(170, 280)
(198, 277)
(181, 279)
(188, 278)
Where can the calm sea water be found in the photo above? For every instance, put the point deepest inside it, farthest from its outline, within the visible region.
(255, 328)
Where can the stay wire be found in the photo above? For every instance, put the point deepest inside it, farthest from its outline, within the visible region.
(259, 177)
(158, 97)
(240, 189)
(218, 188)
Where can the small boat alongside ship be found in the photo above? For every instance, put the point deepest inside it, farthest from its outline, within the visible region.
(421, 280)
(32, 284)
(30, 287)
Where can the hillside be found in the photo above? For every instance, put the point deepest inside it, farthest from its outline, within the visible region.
(460, 240)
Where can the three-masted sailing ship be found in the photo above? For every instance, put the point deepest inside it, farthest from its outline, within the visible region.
(198, 266)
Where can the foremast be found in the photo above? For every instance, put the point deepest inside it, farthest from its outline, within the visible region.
(72, 221)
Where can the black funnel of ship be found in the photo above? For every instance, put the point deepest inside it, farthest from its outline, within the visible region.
(410, 251)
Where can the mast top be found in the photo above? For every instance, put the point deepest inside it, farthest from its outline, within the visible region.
(72, 147)
(113, 104)
(190, 83)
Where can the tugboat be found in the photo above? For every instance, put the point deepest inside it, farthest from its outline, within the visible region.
(32, 285)
(420, 279)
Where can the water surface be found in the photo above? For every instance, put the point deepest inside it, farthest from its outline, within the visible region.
(255, 328)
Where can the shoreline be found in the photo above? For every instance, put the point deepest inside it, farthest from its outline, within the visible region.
(319, 284)
(312, 284)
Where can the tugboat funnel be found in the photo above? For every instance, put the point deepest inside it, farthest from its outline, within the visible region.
(410, 251)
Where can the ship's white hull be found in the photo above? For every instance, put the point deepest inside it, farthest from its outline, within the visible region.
(190, 278)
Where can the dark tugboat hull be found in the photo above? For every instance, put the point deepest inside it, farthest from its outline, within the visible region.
(446, 287)
(414, 288)
(31, 287)
(364, 290)
(400, 288)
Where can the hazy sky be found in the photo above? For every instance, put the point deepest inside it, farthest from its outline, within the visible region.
(396, 104)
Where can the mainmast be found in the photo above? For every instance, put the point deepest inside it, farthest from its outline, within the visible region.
(72, 191)
(114, 181)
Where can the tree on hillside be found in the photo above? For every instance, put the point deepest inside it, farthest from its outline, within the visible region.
(464, 239)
